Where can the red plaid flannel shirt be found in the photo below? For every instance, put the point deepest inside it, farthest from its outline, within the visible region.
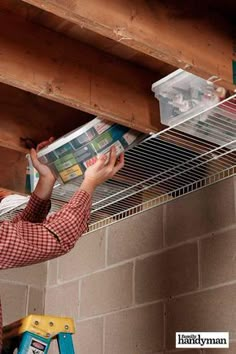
(31, 238)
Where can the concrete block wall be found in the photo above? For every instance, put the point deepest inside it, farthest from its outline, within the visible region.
(131, 286)
(22, 291)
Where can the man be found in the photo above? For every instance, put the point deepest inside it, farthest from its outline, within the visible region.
(31, 238)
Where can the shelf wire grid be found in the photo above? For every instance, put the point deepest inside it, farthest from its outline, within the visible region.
(190, 155)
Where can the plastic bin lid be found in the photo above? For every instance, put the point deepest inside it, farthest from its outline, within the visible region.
(68, 137)
(168, 77)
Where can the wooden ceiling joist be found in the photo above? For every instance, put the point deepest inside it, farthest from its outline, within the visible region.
(27, 116)
(202, 44)
(12, 170)
(58, 68)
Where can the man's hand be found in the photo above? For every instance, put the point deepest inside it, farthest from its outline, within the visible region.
(100, 171)
(43, 170)
(46, 179)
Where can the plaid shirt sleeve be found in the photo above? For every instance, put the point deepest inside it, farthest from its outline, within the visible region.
(24, 242)
(36, 210)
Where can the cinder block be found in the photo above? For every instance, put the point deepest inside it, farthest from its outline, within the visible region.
(218, 258)
(186, 351)
(231, 350)
(135, 331)
(63, 300)
(14, 299)
(88, 338)
(200, 212)
(52, 272)
(167, 274)
(136, 235)
(31, 275)
(36, 301)
(53, 349)
(210, 310)
(107, 291)
(87, 256)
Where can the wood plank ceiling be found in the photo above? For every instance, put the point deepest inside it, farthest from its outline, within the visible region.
(64, 61)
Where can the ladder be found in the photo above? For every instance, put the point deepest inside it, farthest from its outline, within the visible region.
(34, 333)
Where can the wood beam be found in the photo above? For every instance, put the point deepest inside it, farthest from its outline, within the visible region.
(189, 35)
(12, 170)
(24, 115)
(58, 68)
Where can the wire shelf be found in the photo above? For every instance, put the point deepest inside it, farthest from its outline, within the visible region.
(169, 164)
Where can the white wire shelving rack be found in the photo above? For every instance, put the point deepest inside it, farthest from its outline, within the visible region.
(181, 159)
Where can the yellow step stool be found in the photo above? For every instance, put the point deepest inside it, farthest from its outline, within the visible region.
(34, 333)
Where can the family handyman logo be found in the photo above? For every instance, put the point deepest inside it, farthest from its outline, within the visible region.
(202, 339)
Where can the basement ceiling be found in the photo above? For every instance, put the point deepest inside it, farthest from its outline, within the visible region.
(64, 62)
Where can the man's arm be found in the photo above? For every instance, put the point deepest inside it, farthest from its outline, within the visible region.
(36, 210)
(39, 204)
(25, 243)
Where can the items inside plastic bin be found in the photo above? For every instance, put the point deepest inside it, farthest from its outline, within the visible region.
(182, 94)
(196, 106)
(69, 156)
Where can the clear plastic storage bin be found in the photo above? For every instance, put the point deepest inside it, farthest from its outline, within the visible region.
(182, 95)
(69, 156)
